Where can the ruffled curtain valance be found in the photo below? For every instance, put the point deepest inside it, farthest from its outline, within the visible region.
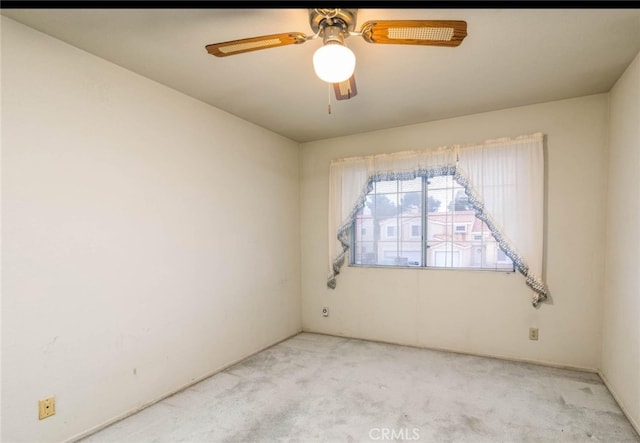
(503, 178)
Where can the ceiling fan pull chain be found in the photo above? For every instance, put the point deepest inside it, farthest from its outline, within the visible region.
(329, 97)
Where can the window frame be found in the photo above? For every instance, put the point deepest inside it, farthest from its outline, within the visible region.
(424, 195)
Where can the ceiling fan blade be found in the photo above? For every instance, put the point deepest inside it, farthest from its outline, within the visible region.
(415, 32)
(346, 89)
(255, 43)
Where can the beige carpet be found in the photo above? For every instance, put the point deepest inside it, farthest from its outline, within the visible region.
(316, 388)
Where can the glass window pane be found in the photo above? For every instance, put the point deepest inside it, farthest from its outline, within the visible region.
(387, 187)
(411, 202)
(383, 205)
(414, 185)
(444, 258)
(389, 230)
(387, 253)
(410, 253)
(364, 229)
(441, 182)
(411, 228)
(365, 254)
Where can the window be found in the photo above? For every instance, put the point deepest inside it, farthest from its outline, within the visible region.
(474, 206)
(422, 222)
(502, 257)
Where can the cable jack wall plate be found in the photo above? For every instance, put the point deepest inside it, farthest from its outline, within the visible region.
(46, 407)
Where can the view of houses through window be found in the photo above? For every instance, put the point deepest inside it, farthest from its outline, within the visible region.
(423, 223)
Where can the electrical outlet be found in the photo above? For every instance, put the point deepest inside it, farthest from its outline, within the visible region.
(46, 407)
(325, 312)
(533, 333)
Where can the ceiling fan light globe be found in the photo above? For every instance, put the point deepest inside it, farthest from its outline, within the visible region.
(334, 63)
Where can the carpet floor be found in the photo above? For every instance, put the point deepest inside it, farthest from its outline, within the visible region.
(317, 388)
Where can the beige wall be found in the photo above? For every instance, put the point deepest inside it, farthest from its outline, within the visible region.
(621, 310)
(475, 311)
(132, 264)
(148, 239)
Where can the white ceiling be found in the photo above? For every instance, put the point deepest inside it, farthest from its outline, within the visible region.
(511, 57)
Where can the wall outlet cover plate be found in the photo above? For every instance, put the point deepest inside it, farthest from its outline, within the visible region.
(46, 407)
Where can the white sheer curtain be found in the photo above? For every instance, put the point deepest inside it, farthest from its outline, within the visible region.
(504, 179)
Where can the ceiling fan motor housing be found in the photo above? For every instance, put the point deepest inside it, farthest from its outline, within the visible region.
(345, 19)
(333, 34)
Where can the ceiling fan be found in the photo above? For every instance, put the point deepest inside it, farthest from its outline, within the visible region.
(335, 63)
